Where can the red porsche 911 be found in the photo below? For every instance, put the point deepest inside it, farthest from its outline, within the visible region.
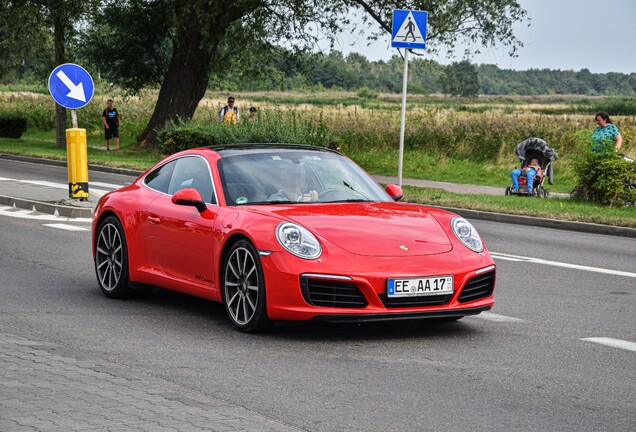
(284, 232)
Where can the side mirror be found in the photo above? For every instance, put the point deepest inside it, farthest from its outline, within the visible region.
(189, 197)
(394, 191)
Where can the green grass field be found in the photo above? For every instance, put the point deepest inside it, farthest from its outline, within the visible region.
(42, 144)
(446, 139)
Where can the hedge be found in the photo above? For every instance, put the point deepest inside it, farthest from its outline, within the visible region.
(12, 126)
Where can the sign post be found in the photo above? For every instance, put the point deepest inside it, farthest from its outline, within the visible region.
(72, 87)
(409, 32)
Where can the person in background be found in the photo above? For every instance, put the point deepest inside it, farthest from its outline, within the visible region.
(530, 171)
(229, 113)
(253, 111)
(110, 117)
(605, 130)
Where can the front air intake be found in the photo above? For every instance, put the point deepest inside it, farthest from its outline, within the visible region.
(322, 292)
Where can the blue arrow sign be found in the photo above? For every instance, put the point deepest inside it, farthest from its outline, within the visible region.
(71, 86)
(409, 29)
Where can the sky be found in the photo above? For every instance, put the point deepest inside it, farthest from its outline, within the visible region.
(599, 35)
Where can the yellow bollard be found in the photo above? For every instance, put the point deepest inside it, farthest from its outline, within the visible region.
(77, 158)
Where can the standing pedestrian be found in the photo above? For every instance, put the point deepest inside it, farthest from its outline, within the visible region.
(253, 111)
(605, 130)
(229, 113)
(110, 117)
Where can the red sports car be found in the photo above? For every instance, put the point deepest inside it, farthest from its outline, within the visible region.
(284, 232)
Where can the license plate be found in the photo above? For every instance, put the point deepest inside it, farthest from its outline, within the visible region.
(413, 287)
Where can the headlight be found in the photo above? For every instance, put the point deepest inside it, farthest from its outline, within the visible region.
(467, 234)
(298, 240)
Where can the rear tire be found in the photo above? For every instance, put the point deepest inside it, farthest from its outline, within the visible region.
(111, 259)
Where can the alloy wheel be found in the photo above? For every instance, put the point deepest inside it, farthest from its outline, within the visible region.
(241, 286)
(109, 257)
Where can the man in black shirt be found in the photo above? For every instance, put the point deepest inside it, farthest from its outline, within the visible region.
(110, 116)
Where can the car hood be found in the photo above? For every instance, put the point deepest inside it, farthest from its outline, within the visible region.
(373, 229)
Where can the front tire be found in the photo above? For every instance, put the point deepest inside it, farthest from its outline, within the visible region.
(111, 258)
(244, 288)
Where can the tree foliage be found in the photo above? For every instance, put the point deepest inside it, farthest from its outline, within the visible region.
(460, 79)
(25, 42)
(178, 44)
(210, 35)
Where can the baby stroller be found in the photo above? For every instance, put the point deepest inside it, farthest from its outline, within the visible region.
(527, 150)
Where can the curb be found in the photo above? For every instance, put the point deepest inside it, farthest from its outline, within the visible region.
(42, 207)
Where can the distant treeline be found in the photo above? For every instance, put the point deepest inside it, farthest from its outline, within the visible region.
(302, 72)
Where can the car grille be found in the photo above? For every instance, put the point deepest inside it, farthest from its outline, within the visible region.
(321, 292)
(478, 287)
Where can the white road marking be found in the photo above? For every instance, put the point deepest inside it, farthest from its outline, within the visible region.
(65, 185)
(67, 227)
(616, 343)
(28, 214)
(44, 183)
(105, 185)
(508, 257)
(489, 316)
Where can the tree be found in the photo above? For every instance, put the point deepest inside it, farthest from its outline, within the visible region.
(204, 32)
(31, 27)
(25, 42)
(460, 79)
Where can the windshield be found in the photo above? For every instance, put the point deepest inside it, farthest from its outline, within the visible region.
(294, 176)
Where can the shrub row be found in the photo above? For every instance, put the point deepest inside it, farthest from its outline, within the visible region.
(12, 126)
(277, 126)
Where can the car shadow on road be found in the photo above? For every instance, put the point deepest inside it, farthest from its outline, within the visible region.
(186, 310)
(393, 330)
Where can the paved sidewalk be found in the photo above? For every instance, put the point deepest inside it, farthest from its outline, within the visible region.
(48, 387)
(455, 187)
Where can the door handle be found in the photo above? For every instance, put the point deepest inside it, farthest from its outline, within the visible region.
(154, 220)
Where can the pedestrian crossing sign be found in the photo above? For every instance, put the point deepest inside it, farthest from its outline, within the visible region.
(409, 29)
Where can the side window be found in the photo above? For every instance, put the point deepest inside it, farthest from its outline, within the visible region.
(159, 179)
(193, 172)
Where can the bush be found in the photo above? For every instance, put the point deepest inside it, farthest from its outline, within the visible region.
(367, 93)
(605, 178)
(276, 126)
(12, 127)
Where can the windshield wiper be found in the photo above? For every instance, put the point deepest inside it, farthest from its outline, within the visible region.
(269, 202)
(279, 202)
(348, 200)
(353, 189)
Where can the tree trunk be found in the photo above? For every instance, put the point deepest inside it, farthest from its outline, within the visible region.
(183, 87)
(60, 111)
(186, 80)
(200, 27)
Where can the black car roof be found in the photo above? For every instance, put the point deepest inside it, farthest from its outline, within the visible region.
(227, 149)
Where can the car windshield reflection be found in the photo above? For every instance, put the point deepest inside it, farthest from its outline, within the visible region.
(292, 176)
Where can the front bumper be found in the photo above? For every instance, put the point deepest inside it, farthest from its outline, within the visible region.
(287, 297)
(393, 316)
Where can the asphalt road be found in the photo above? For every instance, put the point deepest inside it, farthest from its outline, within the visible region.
(528, 365)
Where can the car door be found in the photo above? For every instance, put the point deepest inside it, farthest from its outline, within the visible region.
(181, 240)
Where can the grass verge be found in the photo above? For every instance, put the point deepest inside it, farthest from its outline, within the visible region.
(42, 144)
(551, 208)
